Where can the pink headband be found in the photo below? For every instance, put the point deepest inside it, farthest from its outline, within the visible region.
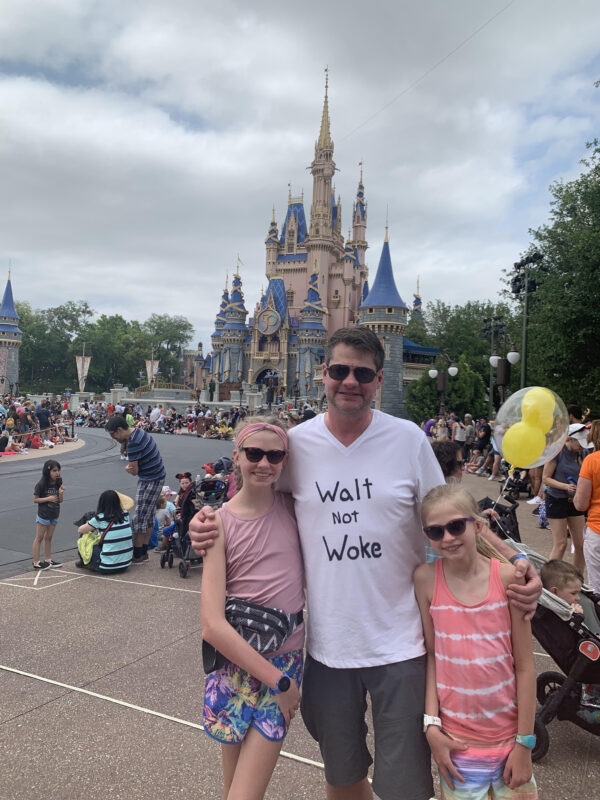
(255, 427)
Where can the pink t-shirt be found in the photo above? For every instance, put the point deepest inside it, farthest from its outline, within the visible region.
(264, 562)
(475, 669)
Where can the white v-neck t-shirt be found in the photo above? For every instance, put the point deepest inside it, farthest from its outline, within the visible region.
(358, 512)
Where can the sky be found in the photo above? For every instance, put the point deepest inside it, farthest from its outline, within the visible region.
(144, 144)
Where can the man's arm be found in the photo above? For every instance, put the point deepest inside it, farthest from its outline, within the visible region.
(523, 597)
(132, 467)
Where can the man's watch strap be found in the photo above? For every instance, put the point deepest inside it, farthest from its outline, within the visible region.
(429, 720)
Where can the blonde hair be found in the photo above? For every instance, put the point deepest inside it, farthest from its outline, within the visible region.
(594, 434)
(465, 502)
(243, 423)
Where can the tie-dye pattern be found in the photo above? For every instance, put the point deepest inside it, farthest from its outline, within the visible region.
(482, 768)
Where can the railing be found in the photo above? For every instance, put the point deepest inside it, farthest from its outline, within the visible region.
(150, 387)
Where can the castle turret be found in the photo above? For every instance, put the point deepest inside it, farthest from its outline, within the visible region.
(384, 312)
(311, 338)
(234, 334)
(272, 245)
(10, 341)
(359, 221)
(217, 333)
(320, 243)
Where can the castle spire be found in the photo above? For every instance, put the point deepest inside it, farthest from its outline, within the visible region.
(325, 142)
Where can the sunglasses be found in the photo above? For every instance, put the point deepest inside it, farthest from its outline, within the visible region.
(255, 454)
(456, 527)
(339, 372)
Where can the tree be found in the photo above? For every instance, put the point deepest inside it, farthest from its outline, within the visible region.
(564, 311)
(465, 394)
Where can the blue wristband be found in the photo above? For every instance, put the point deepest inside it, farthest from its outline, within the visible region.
(512, 559)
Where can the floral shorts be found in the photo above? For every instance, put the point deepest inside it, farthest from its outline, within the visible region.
(234, 700)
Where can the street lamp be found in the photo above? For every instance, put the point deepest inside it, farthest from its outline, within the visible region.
(502, 367)
(442, 379)
(526, 282)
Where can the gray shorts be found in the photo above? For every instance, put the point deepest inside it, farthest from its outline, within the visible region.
(334, 702)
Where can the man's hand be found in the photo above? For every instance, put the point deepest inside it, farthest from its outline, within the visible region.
(525, 596)
(203, 530)
(132, 468)
(441, 747)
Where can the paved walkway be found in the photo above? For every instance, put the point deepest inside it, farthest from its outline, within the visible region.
(101, 688)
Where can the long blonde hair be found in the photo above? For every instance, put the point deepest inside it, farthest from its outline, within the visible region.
(461, 499)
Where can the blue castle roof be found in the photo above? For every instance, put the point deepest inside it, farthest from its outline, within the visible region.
(7, 309)
(297, 209)
(365, 291)
(413, 347)
(384, 291)
(276, 290)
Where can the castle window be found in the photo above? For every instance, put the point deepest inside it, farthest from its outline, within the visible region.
(290, 297)
(371, 311)
(390, 311)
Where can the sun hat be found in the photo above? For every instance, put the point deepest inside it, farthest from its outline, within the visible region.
(127, 503)
(579, 432)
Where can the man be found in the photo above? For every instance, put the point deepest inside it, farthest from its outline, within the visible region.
(143, 460)
(357, 477)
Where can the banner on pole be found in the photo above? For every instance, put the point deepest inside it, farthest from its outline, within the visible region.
(83, 365)
(151, 369)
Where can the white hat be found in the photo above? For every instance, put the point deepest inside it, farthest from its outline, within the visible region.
(579, 432)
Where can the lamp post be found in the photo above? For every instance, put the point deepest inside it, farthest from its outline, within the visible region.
(171, 371)
(442, 379)
(526, 282)
(493, 325)
(502, 366)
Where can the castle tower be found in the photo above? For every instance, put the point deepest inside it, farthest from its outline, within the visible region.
(384, 312)
(10, 341)
(217, 345)
(272, 245)
(320, 243)
(417, 310)
(311, 339)
(234, 334)
(359, 221)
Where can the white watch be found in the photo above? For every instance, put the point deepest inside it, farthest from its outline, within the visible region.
(429, 720)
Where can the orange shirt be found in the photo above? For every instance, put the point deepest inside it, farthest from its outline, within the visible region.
(590, 469)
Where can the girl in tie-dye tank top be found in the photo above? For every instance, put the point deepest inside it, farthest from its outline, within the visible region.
(480, 695)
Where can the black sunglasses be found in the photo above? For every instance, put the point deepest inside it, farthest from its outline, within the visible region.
(456, 527)
(339, 372)
(255, 454)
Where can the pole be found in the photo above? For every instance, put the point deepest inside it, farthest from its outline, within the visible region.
(524, 343)
(491, 397)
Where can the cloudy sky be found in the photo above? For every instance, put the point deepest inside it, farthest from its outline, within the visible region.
(143, 144)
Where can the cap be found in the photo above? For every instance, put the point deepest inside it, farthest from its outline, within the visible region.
(579, 432)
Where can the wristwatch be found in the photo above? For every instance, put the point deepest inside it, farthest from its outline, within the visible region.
(527, 741)
(283, 684)
(429, 720)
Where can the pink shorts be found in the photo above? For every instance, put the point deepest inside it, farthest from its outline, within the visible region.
(482, 766)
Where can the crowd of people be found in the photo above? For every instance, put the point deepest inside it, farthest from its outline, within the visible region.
(340, 507)
(25, 425)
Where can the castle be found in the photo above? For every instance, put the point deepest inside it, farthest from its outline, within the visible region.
(10, 341)
(317, 283)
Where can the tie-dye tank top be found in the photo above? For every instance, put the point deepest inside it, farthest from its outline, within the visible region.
(475, 670)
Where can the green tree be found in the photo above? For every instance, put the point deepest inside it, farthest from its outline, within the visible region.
(465, 393)
(564, 311)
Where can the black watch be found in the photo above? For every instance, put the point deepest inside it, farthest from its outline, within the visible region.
(283, 684)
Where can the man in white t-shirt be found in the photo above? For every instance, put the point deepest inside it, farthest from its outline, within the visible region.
(357, 477)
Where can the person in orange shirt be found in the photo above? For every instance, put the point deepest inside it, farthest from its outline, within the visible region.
(587, 498)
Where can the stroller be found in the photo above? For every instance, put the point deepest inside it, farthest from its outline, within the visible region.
(517, 482)
(212, 489)
(179, 545)
(507, 526)
(573, 641)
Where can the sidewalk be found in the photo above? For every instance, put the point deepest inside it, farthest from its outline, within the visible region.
(101, 687)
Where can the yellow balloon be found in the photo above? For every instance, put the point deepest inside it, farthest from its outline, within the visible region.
(537, 408)
(523, 444)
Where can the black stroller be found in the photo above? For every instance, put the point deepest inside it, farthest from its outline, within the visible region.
(507, 526)
(516, 483)
(573, 641)
(179, 545)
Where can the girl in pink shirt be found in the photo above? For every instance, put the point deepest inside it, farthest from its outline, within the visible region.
(480, 690)
(251, 700)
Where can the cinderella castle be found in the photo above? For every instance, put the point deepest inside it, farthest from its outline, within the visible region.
(317, 282)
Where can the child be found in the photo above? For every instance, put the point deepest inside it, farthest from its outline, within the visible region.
(164, 520)
(565, 581)
(47, 495)
(184, 500)
(112, 521)
(480, 691)
(251, 700)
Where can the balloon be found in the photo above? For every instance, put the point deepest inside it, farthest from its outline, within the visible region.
(537, 408)
(537, 411)
(523, 444)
